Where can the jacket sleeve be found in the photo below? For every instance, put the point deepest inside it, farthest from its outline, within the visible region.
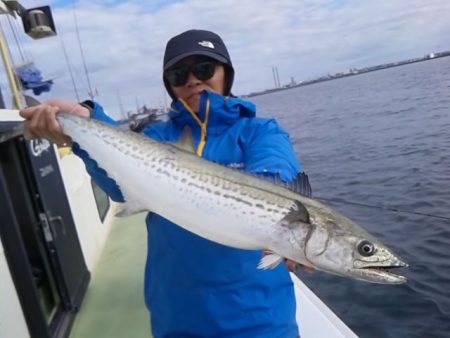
(99, 175)
(268, 151)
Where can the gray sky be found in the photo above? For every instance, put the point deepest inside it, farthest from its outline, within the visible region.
(124, 41)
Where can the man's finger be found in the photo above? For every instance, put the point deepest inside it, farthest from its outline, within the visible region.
(26, 113)
(28, 134)
(308, 269)
(290, 265)
(293, 266)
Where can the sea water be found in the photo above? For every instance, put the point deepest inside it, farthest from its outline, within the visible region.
(382, 139)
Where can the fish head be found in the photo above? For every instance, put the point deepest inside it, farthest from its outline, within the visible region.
(351, 252)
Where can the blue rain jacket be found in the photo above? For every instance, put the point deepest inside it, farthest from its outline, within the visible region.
(195, 287)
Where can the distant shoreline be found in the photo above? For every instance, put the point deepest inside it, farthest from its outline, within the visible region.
(352, 72)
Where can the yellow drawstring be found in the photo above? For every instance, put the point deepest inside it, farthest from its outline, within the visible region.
(203, 125)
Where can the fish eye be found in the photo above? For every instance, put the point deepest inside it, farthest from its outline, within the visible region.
(366, 248)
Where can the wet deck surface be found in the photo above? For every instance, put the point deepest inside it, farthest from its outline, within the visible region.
(114, 303)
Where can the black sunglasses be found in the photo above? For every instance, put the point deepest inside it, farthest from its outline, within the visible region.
(178, 76)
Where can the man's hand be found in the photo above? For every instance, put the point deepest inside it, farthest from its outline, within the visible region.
(41, 122)
(291, 266)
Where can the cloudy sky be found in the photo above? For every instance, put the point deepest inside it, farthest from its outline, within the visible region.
(123, 41)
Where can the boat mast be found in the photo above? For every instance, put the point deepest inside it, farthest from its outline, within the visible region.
(18, 101)
(37, 23)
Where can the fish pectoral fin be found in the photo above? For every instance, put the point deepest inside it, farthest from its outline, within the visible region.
(128, 209)
(270, 261)
(297, 215)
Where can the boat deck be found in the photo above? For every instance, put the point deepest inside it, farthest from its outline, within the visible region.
(114, 303)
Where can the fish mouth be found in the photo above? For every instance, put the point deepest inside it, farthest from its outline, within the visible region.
(383, 274)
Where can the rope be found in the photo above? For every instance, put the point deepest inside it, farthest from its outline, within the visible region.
(342, 201)
(18, 44)
(69, 67)
(91, 93)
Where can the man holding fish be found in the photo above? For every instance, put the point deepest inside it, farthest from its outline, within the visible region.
(193, 286)
(199, 282)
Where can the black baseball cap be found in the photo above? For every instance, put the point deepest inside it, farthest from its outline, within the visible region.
(198, 42)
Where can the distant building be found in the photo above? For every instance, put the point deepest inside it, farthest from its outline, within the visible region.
(292, 83)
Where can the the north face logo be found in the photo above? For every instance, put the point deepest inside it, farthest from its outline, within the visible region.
(207, 44)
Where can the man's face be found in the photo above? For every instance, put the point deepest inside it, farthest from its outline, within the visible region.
(190, 76)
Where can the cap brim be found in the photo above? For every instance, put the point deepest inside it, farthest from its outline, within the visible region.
(205, 53)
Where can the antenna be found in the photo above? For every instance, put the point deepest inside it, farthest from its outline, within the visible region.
(91, 93)
(66, 56)
(121, 104)
(276, 77)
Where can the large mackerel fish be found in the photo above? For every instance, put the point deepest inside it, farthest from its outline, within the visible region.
(237, 209)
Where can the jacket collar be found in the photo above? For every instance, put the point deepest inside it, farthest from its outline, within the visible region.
(223, 111)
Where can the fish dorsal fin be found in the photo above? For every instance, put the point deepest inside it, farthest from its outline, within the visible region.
(185, 141)
(299, 185)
